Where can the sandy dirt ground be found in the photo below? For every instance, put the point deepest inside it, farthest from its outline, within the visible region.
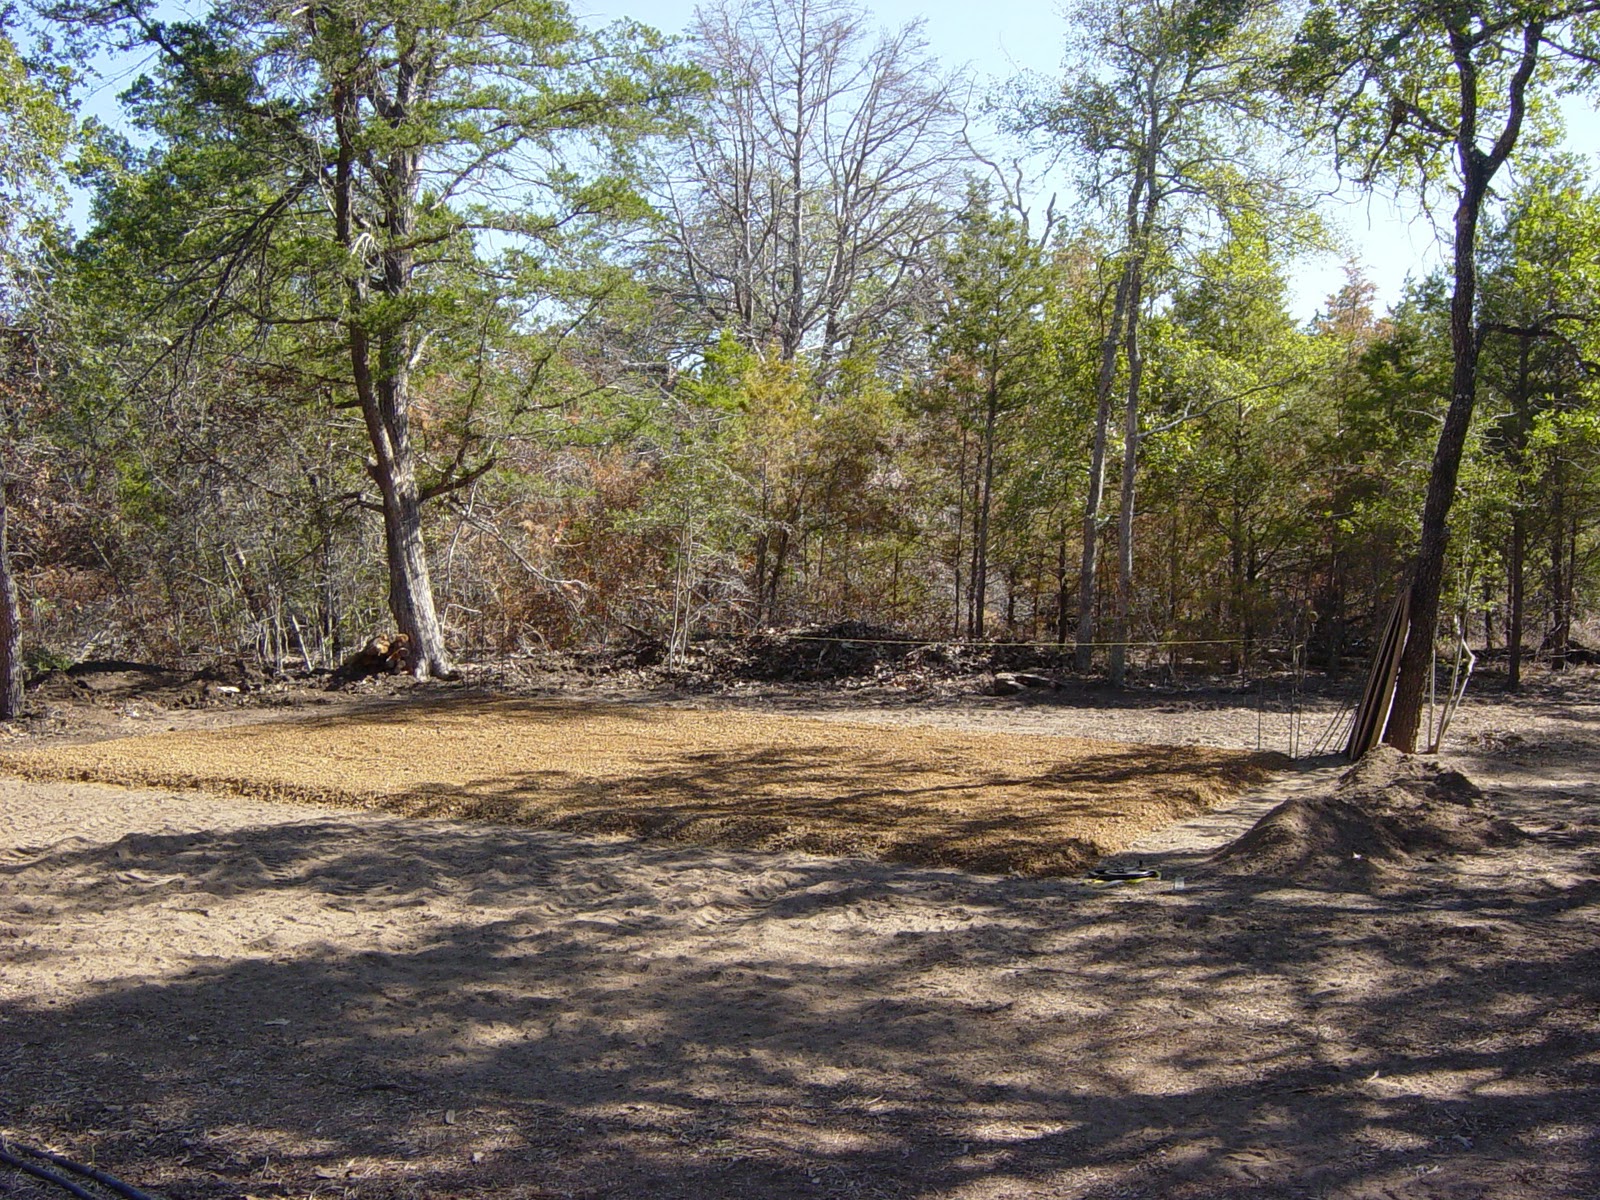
(218, 997)
(991, 801)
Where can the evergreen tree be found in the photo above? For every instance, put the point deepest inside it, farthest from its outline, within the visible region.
(372, 189)
(36, 129)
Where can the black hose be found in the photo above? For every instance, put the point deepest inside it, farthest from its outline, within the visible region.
(49, 1176)
(109, 1182)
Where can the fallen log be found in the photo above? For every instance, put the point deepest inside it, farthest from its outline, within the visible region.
(386, 654)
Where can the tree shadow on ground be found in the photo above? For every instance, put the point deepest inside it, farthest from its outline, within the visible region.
(978, 802)
(386, 1008)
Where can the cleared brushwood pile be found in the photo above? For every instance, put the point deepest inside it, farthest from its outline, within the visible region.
(1386, 812)
(981, 801)
(849, 653)
(112, 682)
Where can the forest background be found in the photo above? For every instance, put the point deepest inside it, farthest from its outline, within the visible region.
(506, 330)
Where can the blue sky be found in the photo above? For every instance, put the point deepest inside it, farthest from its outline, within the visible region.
(990, 40)
(997, 38)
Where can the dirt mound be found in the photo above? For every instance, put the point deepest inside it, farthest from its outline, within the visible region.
(853, 654)
(1387, 810)
(111, 677)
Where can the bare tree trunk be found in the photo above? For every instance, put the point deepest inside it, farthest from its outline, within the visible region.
(10, 624)
(1516, 563)
(1487, 612)
(383, 387)
(976, 588)
(1036, 597)
(979, 588)
(1130, 465)
(780, 559)
(1477, 170)
(1560, 639)
(1236, 545)
(1063, 592)
(1569, 597)
(329, 624)
(1416, 661)
(393, 469)
(1517, 570)
(1174, 580)
(759, 579)
(961, 533)
(1105, 381)
(970, 619)
(1144, 200)
(818, 600)
(1337, 631)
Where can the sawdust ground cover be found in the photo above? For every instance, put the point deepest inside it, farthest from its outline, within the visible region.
(983, 801)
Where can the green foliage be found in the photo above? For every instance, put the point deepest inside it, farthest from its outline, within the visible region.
(760, 457)
(40, 660)
(1538, 306)
(36, 130)
(287, 224)
(1398, 83)
(492, 183)
(988, 334)
(1169, 102)
(402, 211)
(1228, 381)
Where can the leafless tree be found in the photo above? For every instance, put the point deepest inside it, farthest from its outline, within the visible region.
(827, 161)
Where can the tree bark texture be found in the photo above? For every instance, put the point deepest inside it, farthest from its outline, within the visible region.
(1125, 512)
(1416, 662)
(381, 364)
(1562, 566)
(1516, 562)
(1105, 382)
(1063, 589)
(10, 625)
(1477, 169)
(980, 546)
(1144, 201)
(1516, 569)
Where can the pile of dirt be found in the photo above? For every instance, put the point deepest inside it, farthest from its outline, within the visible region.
(813, 653)
(1387, 810)
(852, 656)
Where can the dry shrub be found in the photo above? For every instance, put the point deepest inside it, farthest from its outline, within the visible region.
(562, 562)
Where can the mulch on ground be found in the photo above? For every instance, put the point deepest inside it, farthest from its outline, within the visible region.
(980, 801)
